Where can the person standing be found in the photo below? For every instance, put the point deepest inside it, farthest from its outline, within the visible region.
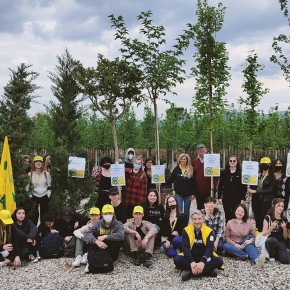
(262, 194)
(203, 184)
(136, 186)
(129, 158)
(102, 179)
(183, 181)
(41, 188)
(231, 191)
(147, 169)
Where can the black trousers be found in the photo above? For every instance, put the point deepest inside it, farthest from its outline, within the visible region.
(260, 209)
(43, 202)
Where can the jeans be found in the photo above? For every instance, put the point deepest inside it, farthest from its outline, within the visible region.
(182, 263)
(248, 251)
(176, 243)
(277, 249)
(183, 203)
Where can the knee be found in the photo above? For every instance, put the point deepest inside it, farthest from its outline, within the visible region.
(171, 253)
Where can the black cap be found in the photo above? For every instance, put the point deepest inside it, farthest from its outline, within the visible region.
(113, 191)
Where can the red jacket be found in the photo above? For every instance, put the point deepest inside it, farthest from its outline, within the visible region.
(202, 183)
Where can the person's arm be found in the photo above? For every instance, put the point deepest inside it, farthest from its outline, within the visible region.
(89, 235)
(220, 226)
(270, 187)
(151, 230)
(209, 248)
(171, 178)
(79, 233)
(228, 234)
(221, 185)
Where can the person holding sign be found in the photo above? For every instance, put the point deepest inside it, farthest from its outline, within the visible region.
(262, 194)
(231, 191)
(184, 185)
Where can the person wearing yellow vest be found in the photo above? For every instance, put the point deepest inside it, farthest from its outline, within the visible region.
(198, 257)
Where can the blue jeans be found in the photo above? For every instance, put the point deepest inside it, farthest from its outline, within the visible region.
(176, 243)
(248, 251)
(183, 203)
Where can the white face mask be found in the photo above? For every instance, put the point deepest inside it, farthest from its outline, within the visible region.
(108, 218)
(130, 156)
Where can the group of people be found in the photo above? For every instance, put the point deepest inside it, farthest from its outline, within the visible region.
(133, 218)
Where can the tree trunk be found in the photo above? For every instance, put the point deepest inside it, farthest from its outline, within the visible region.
(115, 139)
(251, 150)
(156, 132)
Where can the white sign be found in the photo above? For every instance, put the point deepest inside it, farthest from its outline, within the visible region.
(288, 165)
(250, 172)
(76, 167)
(158, 174)
(117, 175)
(211, 165)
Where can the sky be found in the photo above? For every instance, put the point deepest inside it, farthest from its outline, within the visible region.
(37, 31)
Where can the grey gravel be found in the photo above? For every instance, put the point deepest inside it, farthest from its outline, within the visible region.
(51, 274)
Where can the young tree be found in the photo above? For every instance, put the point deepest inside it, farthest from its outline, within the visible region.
(111, 87)
(161, 68)
(281, 45)
(254, 90)
(14, 105)
(65, 113)
(211, 71)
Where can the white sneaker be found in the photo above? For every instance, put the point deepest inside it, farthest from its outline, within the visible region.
(87, 269)
(77, 261)
(259, 262)
(2, 264)
(84, 260)
(271, 259)
(32, 259)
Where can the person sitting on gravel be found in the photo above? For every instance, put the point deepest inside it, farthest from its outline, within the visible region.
(81, 258)
(27, 232)
(214, 219)
(9, 240)
(198, 257)
(240, 238)
(106, 233)
(140, 237)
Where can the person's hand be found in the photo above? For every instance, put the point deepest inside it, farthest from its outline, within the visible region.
(247, 242)
(175, 233)
(29, 241)
(54, 231)
(243, 201)
(199, 268)
(102, 238)
(284, 225)
(167, 244)
(101, 245)
(193, 268)
(17, 261)
(273, 225)
(239, 246)
(144, 243)
(220, 201)
(192, 197)
(138, 237)
(251, 191)
(8, 247)
(76, 225)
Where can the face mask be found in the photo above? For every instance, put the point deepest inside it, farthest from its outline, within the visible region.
(265, 166)
(106, 166)
(278, 167)
(108, 218)
(137, 166)
(172, 206)
(130, 156)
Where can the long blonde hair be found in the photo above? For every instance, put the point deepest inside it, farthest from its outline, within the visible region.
(189, 168)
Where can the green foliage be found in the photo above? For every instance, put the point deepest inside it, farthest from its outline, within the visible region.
(147, 130)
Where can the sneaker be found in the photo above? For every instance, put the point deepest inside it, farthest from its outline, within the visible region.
(147, 260)
(136, 258)
(259, 262)
(2, 264)
(272, 260)
(77, 261)
(32, 259)
(186, 275)
(84, 260)
(87, 270)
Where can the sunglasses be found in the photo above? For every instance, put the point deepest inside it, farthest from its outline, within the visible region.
(233, 161)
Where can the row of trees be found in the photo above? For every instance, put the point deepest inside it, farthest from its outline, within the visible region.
(148, 69)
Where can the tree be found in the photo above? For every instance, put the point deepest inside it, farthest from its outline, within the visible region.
(254, 90)
(14, 107)
(111, 87)
(161, 68)
(65, 113)
(281, 45)
(211, 71)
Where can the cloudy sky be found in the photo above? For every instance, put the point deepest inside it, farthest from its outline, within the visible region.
(36, 31)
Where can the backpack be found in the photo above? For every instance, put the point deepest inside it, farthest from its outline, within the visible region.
(70, 248)
(100, 260)
(51, 246)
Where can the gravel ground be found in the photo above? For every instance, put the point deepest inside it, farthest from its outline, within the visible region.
(51, 274)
